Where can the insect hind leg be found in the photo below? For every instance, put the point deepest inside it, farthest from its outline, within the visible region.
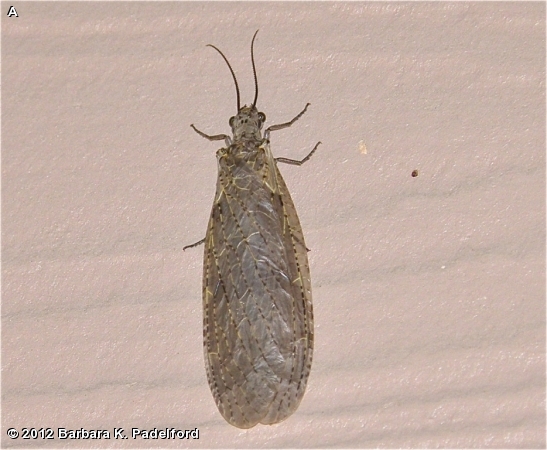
(195, 244)
(297, 162)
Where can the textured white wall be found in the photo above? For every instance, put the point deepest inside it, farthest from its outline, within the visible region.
(429, 292)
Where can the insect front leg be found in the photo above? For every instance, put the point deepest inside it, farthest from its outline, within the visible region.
(286, 124)
(297, 162)
(216, 137)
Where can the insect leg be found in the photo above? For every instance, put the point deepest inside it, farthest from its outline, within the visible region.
(193, 245)
(296, 162)
(216, 137)
(286, 124)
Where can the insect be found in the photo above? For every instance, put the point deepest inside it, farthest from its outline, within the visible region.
(257, 306)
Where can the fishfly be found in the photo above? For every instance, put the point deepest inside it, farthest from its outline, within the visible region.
(257, 306)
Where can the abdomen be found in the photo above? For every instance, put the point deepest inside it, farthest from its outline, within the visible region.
(258, 318)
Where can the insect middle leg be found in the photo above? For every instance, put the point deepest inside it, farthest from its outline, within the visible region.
(297, 162)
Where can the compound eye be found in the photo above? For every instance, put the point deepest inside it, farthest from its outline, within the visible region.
(262, 117)
(231, 121)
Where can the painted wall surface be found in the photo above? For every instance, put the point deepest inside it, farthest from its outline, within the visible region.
(429, 291)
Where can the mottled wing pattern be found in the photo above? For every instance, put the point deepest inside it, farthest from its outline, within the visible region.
(258, 319)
